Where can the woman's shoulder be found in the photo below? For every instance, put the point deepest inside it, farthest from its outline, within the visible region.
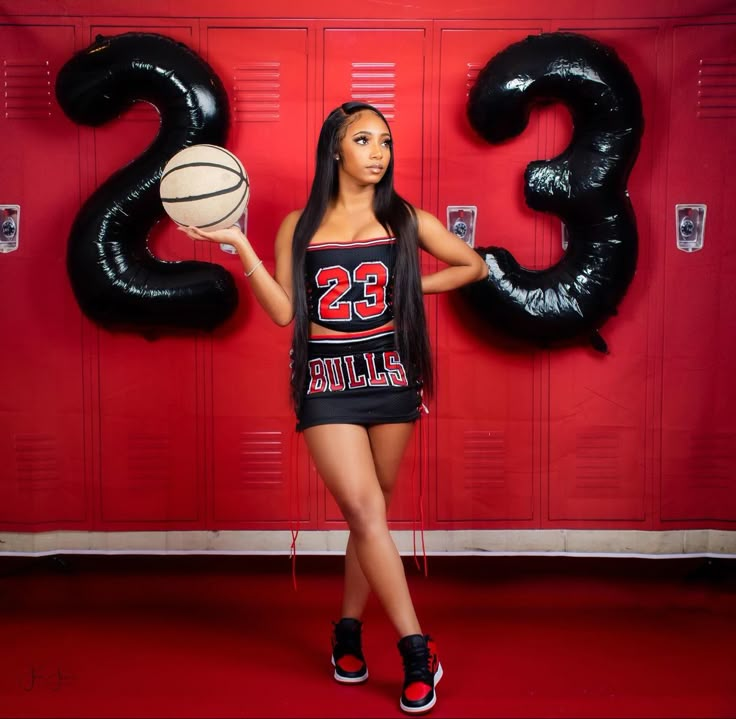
(425, 220)
(289, 222)
(285, 232)
(293, 217)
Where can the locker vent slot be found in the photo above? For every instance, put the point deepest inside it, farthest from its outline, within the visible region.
(261, 459)
(484, 454)
(149, 458)
(597, 459)
(711, 460)
(27, 90)
(257, 92)
(36, 462)
(717, 88)
(473, 70)
(375, 83)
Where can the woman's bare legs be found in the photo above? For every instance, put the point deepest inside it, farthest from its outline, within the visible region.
(353, 462)
(388, 444)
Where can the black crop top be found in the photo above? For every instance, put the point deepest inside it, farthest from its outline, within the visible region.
(350, 285)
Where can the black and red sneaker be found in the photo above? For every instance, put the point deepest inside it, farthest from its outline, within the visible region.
(422, 673)
(347, 652)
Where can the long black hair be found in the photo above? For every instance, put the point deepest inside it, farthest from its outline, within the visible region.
(399, 219)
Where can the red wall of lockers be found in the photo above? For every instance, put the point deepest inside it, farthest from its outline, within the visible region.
(112, 430)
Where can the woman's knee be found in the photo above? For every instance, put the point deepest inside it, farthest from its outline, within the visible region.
(364, 515)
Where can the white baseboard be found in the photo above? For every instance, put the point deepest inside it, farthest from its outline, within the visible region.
(472, 542)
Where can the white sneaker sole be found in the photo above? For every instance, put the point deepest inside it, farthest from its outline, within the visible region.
(349, 680)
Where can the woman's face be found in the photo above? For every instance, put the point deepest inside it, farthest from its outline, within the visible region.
(365, 150)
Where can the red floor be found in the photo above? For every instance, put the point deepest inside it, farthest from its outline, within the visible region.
(229, 637)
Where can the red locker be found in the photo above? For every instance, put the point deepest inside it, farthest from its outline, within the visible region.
(385, 67)
(699, 344)
(597, 435)
(485, 405)
(150, 405)
(42, 481)
(112, 430)
(258, 464)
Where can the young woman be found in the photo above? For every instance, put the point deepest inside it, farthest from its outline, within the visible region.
(348, 274)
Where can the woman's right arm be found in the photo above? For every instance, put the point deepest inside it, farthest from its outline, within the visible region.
(274, 293)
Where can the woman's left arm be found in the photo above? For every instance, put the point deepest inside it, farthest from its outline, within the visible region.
(464, 265)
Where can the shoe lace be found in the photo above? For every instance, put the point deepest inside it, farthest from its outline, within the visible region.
(416, 664)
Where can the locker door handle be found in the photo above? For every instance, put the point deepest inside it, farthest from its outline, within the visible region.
(690, 226)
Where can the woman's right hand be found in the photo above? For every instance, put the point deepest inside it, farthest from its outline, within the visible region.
(227, 236)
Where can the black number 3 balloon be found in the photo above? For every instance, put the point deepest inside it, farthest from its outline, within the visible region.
(115, 278)
(585, 186)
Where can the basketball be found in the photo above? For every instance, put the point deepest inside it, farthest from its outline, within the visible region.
(204, 186)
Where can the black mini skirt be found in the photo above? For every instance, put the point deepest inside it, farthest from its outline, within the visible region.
(357, 379)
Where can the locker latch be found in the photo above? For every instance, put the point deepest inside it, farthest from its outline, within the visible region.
(690, 224)
(9, 227)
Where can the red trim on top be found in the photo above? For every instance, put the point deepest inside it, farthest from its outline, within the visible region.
(352, 243)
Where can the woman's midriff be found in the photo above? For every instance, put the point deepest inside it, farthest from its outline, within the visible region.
(316, 330)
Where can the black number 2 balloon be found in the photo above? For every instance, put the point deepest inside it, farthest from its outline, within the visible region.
(115, 278)
(585, 186)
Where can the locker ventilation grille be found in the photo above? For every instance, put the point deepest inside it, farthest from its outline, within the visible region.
(261, 460)
(597, 456)
(28, 92)
(717, 88)
(149, 458)
(375, 83)
(257, 92)
(36, 461)
(484, 454)
(711, 460)
(473, 70)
